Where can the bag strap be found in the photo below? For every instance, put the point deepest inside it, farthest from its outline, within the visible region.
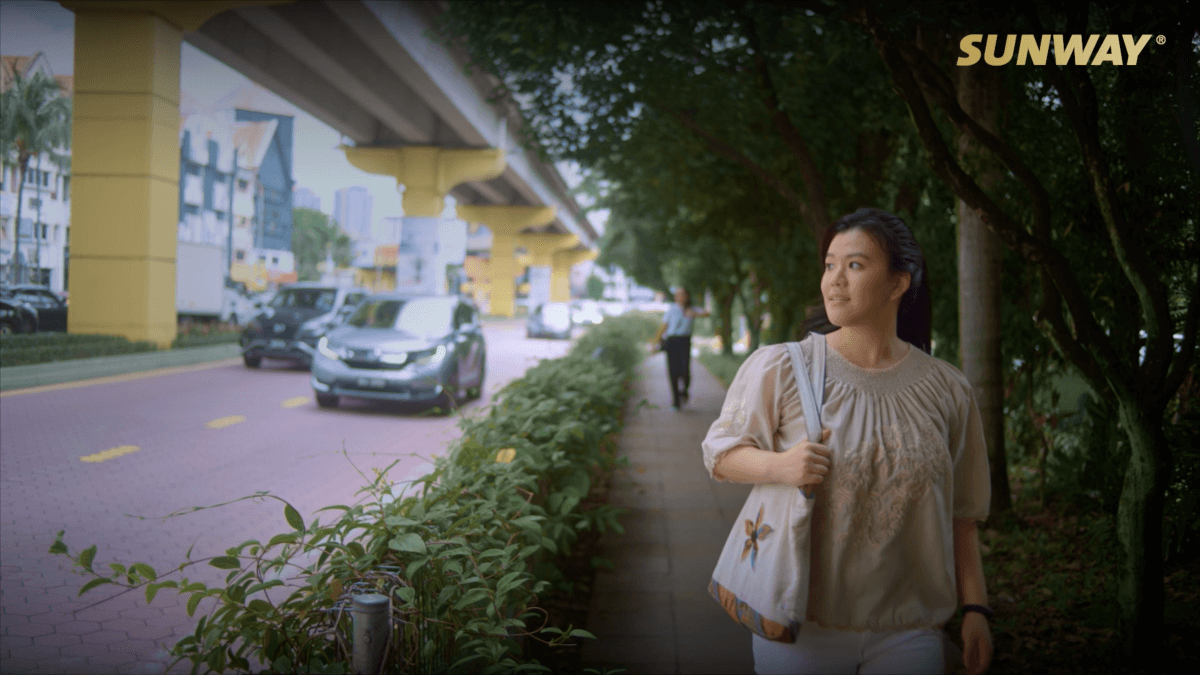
(811, 396)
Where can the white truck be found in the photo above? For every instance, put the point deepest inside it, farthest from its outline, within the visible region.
(199, 280)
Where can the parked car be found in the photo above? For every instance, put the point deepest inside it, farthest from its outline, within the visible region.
(261, 300)
(291, 324)
(17, 317)
(585, 312)
(237, 306)
(399, 347)
(552, 319)
(614, 307)
(51, 309)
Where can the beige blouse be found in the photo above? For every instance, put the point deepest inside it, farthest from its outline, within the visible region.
(908, 456)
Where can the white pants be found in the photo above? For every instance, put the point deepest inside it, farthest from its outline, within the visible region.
(834, 652)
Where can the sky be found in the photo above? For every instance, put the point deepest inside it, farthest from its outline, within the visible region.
(30, 26)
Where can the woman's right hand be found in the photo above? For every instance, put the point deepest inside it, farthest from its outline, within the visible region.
(805, 463)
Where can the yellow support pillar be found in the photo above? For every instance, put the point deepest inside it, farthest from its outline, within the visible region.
(560, 272)
(125, 164)
(505, 222)
(427, 173)
(542, 248)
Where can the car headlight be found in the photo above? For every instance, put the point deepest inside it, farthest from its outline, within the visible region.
(430, 357)
(327, 351)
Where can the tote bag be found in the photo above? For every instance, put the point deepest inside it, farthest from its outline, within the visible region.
(761, 578)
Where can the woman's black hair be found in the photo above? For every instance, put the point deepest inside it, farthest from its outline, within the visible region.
(914, 320)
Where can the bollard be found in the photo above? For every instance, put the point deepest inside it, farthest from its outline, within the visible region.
(370, 632)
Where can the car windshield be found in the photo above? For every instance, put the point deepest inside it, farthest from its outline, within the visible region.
(419, 316)
(34, 297)
(305, 298)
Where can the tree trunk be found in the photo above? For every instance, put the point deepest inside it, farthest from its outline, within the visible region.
(979, 276)
(1140, 529)
(753, 310)
(18, 258)
(725, 321)
(37, 225)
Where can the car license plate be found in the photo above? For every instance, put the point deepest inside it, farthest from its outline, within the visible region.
(278, 344)
(374, 383)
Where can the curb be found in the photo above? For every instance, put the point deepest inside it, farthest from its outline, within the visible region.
(58, 372)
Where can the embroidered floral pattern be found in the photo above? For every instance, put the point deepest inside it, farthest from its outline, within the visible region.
(733, 416)
(874, 485)
(755, 532)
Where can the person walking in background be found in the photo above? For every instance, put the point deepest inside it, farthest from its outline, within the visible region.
(677, 330)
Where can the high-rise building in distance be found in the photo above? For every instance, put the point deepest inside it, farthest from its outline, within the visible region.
(303, 198)
(352, 211)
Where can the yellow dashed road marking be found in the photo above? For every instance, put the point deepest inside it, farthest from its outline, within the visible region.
(222, 422)
(295, 402)
(110, 453)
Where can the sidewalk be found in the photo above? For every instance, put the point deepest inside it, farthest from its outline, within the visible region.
(652, 612)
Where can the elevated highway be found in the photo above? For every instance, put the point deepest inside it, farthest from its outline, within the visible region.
(374, 71)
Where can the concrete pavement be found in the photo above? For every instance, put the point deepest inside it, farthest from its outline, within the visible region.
(652, 613)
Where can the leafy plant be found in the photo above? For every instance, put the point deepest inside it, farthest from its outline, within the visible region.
(461, 559)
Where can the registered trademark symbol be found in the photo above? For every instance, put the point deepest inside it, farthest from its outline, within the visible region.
(1161, 39)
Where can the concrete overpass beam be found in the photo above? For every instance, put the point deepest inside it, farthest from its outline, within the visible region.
(505, 222)
(125, 156)
(427, 173)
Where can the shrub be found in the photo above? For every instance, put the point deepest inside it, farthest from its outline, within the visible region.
(462, 562)
(34, 348)
(206, 340)
(722, 366)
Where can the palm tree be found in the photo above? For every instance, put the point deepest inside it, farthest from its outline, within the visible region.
(35, 119)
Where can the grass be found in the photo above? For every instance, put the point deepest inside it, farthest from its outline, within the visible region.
(722, 366)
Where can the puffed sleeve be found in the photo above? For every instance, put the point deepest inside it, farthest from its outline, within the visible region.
(750, 415)
(972, 479)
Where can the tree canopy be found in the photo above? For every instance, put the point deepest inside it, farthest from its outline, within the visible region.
(733, 133)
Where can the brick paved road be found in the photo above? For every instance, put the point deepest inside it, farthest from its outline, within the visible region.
(285, 445)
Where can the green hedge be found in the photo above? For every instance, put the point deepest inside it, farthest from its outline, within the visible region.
(26, 349)
(21, 340)
(462, 558)
(722, 366)
(206, 340)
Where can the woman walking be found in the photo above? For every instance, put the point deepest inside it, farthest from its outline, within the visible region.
(677, 329)
(901, 473)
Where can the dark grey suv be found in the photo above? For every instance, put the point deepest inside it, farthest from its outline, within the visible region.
(296, 318)
(399, 347)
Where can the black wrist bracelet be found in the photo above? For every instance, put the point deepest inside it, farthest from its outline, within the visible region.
(987, 612)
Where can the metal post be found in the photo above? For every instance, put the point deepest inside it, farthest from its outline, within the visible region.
(233, 172)
(370, 632)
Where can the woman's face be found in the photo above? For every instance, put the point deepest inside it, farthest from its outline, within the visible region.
(857, 285)
(681, 296)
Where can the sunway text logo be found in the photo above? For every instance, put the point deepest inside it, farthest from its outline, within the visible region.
(1034, 49)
